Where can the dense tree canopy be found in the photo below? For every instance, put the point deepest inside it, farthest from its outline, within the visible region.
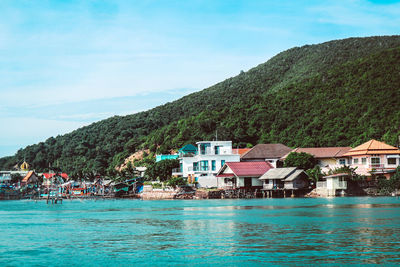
(162, 170)
(300, 160)
(337, 93)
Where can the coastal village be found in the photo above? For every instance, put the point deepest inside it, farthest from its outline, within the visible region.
(214, 169)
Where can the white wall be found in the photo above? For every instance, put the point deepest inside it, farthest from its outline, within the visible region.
(207, 181)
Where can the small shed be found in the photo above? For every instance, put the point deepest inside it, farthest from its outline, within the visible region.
(330, 184)
(282, 179)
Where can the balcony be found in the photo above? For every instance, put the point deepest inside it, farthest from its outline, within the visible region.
(177, 172)
(377, 166)
(193, 169)
(187, 154)
(272, 186)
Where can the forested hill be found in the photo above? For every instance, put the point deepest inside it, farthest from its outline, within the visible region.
(338, 93)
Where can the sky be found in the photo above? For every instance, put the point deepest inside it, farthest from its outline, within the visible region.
(65, 64)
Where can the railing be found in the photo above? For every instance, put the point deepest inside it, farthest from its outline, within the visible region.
(176, 170)
(268, 186)
(187, 154)
(193, 169)
(377, 166)
(272, 186)
(321, 184)
(290, 186)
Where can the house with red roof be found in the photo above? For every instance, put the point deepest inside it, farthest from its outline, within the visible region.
(242, 175)
(374, 157)
(54, 178)
(266, 152)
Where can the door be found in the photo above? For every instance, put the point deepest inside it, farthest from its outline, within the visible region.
(247, 182)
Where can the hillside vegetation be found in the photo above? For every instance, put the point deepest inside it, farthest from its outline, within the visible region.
(337, 93)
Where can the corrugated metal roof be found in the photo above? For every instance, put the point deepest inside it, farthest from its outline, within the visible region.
(337, 175)
(294, 175)
(278, 173)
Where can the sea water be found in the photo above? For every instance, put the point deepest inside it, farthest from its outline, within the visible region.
(332, 232)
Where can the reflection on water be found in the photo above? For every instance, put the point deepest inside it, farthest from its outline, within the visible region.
(338, 231)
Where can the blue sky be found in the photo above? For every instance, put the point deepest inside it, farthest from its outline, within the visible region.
(65, 64)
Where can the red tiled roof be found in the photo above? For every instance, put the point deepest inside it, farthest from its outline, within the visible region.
(247, 168)
(323, 152)
(50, 175)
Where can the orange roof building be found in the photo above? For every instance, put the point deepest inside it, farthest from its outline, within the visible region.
(30, 178)
(375, 157)
(373, 147)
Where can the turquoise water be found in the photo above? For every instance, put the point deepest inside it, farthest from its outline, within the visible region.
(333, 232)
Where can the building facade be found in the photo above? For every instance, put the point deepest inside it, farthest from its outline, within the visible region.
(202, 164)
(374, 157)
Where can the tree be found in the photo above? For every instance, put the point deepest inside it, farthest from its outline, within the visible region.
(162, 170)
(388, 186)
(16, 177)
(300, 160)
(315, 173)
(175, 181)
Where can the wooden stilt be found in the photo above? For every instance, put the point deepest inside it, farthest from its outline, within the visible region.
(292, 194)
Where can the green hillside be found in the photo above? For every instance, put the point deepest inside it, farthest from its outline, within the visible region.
(337, 93)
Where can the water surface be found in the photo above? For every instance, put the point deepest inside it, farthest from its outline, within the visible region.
(332, 232)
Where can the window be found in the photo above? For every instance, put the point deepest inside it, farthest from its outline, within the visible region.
(375, 161)
(195, 166)
(364, 161)
(213, 167)
(204, 165)
(205, 148)
(355, 161)
(391, 161)
(222, 163)
(216, 148)
(342, 161)
(349, 160)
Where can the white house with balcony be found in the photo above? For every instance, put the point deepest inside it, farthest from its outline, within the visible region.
(332, 185)
(202, 163)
